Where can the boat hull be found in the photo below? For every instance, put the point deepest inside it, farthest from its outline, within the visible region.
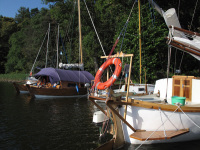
(21, 88)
(151, 120)
(43, 92)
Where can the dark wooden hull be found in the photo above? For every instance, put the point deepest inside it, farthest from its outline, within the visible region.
(20, 87)
(62, 92)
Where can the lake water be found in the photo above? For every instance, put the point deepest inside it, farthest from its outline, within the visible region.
(55, 124)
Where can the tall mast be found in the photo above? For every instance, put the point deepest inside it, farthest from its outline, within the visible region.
(47, 46)
(140, 45)
(80, 38)
(57, 47)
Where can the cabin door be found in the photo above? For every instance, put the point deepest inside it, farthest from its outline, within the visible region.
(182, 86)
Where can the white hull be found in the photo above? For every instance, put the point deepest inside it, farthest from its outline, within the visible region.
(150, 120)
(52, 97)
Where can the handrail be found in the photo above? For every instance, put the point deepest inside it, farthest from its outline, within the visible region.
(185, 31)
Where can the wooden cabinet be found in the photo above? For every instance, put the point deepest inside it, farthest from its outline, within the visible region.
(182, 86)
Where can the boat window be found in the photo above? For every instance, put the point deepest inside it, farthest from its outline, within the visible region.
(71, 84)
(141, 89)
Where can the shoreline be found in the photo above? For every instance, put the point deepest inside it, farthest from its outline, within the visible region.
(13, 77)
(11, 80)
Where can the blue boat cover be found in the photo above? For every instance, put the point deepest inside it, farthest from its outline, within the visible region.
(56, 75)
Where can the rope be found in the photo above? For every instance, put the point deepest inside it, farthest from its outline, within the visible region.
(39, 51)
(116, 42)
(193, 15)
(169, 57)
(63, 48)
(175, 61)
(181, 61)
(95, 28)
(162, 122)
(156, 129)
(188, 117)
(152, 14)
(179, 7)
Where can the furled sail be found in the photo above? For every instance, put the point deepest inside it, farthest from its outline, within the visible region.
(184, 40)
(71, 66)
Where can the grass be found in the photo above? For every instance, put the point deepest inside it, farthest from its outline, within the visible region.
(13, 77)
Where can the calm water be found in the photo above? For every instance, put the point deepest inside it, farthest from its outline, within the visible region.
(45, 124)
(57, 124)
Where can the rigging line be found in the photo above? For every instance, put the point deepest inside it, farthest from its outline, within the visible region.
(162, 123)
(169, 57)
(95, 28)
(123, 36)
(39, 50)
(179, 7)
(117, 40)
(127, 20)
(158, 128)
(188, 117)
(181, 61)
(152, 14)
(193, 15)
(131, 11)
(175, 61)
(72, 18)
(63, 47)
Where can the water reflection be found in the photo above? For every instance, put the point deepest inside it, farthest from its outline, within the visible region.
(55, 124)
(45, 124)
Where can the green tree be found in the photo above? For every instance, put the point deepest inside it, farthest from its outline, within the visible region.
(7, 27)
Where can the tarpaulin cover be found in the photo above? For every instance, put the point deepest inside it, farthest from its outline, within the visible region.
(56, 75)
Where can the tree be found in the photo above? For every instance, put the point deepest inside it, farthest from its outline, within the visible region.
(7, 27)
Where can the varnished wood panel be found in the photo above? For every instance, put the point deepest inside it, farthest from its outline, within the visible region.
(157, 135)
(182, 86)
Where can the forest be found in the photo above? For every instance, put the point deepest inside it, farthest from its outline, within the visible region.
(22, 37)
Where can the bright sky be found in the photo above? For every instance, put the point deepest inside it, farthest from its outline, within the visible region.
(9, 8)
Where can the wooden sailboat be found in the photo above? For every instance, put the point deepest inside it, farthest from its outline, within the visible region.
(54, 82)
(170, 114)
(60, 83)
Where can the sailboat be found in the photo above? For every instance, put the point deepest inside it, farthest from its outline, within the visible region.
(54, 82)
(170, 114)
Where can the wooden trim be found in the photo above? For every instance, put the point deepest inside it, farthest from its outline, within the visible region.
(157, 135)
(165, 107)
(182, 86)
(185, 45)
(151, 105)
(185, 31)
(184, 48)
(93, 101)
(97, 98)
(109, 104)
(121, 54)
(127, 94)
(106, 146)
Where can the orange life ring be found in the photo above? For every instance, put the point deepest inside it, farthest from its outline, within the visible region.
(118, 67)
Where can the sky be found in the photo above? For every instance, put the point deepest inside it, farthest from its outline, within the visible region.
(9, 8)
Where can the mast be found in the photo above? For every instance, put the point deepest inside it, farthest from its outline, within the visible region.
(47, 46)
(140, 45)
(57, 47)
(80, 38)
